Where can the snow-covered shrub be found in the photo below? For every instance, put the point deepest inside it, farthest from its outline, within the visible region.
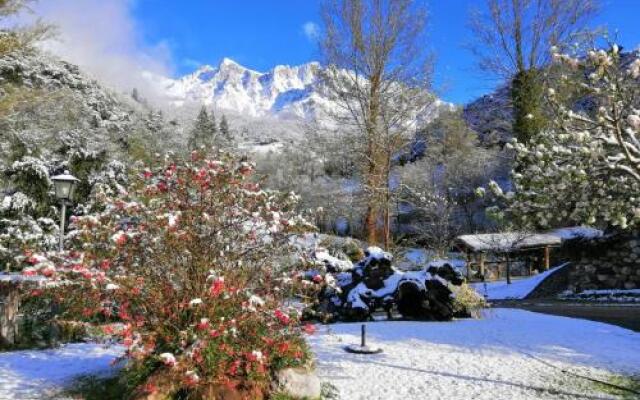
(585, 169)
(184, 262)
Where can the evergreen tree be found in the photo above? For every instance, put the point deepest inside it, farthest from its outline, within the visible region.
(224, 128)
(204, 130)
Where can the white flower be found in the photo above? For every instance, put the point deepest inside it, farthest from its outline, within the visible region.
(112, 286)
(195, 302)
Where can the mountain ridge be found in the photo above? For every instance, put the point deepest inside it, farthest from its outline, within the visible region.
(284, 90)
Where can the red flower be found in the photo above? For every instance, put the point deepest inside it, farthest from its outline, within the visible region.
(233, 369)
(161, 186)
(203, 324)
(105, 264)
(318, 279)
(121, 239)
(309, 329)
(214, 333)
(282, 317)
(147, 174)
(283, 347)
(218, 287)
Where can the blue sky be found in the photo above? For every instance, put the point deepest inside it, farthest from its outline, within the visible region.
(262, 33)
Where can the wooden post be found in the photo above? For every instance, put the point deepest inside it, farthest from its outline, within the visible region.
(482, 265)
(468, 265)
(547, 257)
(9, 302)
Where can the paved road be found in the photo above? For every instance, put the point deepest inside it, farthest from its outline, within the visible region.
(626, 316)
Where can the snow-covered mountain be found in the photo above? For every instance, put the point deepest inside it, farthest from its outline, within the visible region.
(284, 91)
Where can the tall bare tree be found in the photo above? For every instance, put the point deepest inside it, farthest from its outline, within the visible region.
(513, 39)
(379, 74)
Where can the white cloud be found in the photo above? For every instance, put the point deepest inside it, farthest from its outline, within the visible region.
(311, 30)
(103, 37)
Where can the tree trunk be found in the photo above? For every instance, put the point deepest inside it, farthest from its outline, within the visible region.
(370, 225)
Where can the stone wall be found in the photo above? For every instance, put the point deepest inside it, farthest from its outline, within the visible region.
(606, 263)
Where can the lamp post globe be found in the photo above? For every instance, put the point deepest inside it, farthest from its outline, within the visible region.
(65, 185)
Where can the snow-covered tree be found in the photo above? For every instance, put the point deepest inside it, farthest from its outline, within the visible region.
(224, 128)
(586, 169)
(204, 131)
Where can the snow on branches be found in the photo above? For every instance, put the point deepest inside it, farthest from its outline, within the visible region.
(585, 168)
(186, 263)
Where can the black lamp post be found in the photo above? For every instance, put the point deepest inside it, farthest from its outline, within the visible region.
(65, 185)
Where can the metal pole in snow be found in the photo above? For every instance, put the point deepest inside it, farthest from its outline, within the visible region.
(364, 332)
(63, 213)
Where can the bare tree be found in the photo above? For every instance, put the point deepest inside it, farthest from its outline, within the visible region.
(513, 39)
(379, 74)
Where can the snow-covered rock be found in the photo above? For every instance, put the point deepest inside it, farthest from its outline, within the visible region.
(299, 383)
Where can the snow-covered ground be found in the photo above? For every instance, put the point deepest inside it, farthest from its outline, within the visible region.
(40, 374)
(518, 289)
(494, 358)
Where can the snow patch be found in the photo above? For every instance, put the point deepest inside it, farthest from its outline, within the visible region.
(518, 289)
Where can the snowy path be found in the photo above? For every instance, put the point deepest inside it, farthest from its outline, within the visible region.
(476, 359)
(39, 374)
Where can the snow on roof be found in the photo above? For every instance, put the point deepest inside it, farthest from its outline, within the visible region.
(577, 232)
(508, 241)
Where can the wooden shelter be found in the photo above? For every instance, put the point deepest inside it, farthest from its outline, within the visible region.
(508, 245)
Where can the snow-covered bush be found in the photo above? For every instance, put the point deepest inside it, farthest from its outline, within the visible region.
(185, 262)
(586, 168)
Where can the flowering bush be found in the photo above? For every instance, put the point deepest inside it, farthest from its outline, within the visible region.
(586, 169)
(183, 267)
